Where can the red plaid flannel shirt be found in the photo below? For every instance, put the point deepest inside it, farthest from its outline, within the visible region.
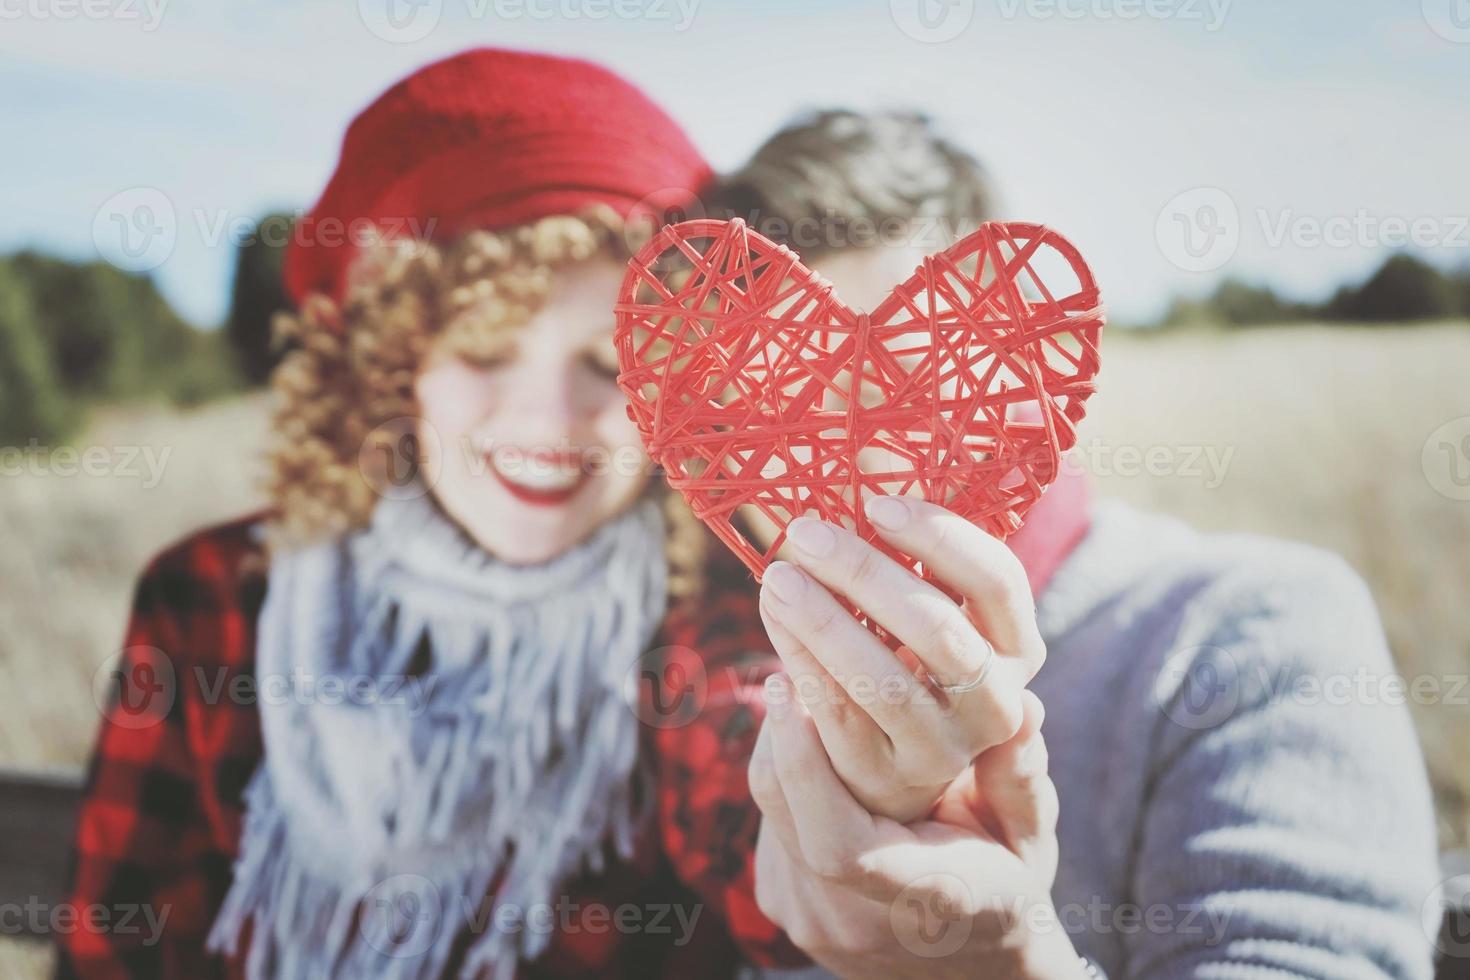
(160, 822)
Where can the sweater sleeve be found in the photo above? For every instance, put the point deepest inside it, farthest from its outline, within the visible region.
(705, 712)
(1288, 828)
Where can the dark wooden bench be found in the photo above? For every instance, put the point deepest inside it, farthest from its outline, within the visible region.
(38, 811)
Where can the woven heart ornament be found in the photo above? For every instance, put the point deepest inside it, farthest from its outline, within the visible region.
(759, 392)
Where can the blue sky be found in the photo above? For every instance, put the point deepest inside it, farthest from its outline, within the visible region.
(1176, 141)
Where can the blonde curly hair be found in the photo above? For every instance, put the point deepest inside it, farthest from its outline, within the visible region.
(346, 387)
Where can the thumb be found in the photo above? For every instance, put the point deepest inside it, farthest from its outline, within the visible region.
(1011, 795)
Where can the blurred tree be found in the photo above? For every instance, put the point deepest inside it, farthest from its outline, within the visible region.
(111, 334)
(1185, 311)
(31, 402)
(257, 296)
(1241, 304)
(64, 298)
(79, 334)
(1403, 288)
(1462, 288)
(1234, 304)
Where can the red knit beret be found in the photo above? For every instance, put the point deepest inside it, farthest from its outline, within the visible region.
(485, 139)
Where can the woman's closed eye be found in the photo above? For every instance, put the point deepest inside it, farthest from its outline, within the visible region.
(487, 356)
(603, 361)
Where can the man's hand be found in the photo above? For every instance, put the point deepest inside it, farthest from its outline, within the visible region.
(896, 742)
(965, 895)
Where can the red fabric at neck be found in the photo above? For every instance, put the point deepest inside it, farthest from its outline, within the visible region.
(1054, 526)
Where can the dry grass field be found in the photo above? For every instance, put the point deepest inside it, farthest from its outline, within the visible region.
(1325, 433)
(1316, 434)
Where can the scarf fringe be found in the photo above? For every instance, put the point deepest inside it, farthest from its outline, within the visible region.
(372, 835)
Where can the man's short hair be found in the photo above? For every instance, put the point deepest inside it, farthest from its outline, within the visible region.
(836, 179)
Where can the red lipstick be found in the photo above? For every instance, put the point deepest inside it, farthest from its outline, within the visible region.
(545, 498)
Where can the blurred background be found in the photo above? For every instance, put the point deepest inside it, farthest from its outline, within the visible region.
(1273, 197)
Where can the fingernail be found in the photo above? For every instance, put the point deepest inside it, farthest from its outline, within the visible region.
(812, 536)
(889, 513)
(786, 581)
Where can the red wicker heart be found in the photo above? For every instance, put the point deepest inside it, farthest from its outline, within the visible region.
(752, 384)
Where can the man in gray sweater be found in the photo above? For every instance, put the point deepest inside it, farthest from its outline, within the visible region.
(1226, 735)
(1240, 793)
(1235, 788)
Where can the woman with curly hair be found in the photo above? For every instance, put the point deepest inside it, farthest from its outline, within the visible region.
(396, 738)
(476, 696)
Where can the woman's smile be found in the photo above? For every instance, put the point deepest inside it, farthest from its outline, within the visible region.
(544, 478)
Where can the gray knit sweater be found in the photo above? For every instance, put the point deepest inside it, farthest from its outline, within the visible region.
(1242, 792)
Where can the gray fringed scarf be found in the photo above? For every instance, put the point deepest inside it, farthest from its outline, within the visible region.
(477, 727)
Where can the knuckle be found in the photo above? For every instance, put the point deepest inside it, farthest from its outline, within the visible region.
(1040, 757)
(1033, 652)
(845, 712)
(1008, 714)
(954, 637)
(875, 774)
(768, 898)
(1001, 578)
(953, 895)
(791, 770)
(824, 620)
(834, 862)
(852, 938)
(767, 800)
(1006, 568)
(951, 759)
(942, 536)
(933, 763)
(1001, 718)
(1048, 803)
(866, 566)
(1015, 582)
(765, 790)
(803, 934)
(852, 760)
(992, 587)
(955, 758)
